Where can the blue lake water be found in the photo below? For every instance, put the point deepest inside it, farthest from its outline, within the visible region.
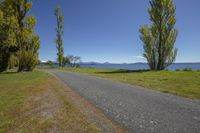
(139, 66)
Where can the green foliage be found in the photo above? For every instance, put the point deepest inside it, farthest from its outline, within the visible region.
(17, 36)
(29, 42)
(50, 63)
(59, 31)
(66, 61)
(13, 61)
(8, 29)
(160, 37)
(29, 57)
(187, 69)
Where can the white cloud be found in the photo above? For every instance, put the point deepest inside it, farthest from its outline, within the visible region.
(43, 61)
(138, 57)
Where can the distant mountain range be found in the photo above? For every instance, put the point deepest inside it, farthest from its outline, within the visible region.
(97, 63)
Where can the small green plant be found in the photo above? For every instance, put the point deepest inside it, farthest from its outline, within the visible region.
(187, 69)
(50, 63)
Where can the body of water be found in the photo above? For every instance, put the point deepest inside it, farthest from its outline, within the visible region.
(139, 66)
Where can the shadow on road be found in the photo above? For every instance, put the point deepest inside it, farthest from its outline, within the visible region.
(8, 72)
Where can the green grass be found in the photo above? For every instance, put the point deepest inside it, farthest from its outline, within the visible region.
(181, 83)
(17, 107)
(14, 90)
(46, 67)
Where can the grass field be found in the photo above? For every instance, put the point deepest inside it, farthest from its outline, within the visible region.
(181, 83)
(35, 102)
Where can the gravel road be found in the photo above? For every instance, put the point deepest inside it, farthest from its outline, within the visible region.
(136, 109)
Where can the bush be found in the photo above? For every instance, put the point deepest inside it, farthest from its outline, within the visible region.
(187, 69)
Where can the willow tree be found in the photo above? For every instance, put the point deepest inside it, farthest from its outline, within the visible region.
(59, 34)
(159, 38)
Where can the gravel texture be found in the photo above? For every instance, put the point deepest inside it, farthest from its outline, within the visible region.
(136, 109)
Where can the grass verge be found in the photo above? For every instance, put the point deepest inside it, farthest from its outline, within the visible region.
(35, 102)
(181, 83)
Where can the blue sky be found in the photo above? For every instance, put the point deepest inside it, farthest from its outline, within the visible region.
(107, 30)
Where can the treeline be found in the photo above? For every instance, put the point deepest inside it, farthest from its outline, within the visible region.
(19, 44)
(70, 60)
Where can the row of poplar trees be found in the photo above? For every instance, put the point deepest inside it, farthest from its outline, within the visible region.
(19, 44)
(159, 38)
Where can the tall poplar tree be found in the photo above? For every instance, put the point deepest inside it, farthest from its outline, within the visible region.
(160, 37)
(59, 35)
(28, 41)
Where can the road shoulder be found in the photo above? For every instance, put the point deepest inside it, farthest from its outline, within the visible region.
(95, 115)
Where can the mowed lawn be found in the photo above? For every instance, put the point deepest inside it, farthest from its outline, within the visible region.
(181, 83)
(36, 102)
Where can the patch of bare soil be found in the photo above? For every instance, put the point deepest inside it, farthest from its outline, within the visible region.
(58, 109)
(38, 112)
(48, 104)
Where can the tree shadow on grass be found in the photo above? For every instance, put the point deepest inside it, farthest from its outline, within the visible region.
(124, 71)
(8, 72)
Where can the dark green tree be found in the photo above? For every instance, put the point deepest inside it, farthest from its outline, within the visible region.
(13, 61)
(17, 35)
(160, 37)
(59, 35)
(50, 63)
(28, 42)
(8, 37)
(66, 61)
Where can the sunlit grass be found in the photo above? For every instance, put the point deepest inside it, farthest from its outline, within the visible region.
(17, 110)
(181, 83)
